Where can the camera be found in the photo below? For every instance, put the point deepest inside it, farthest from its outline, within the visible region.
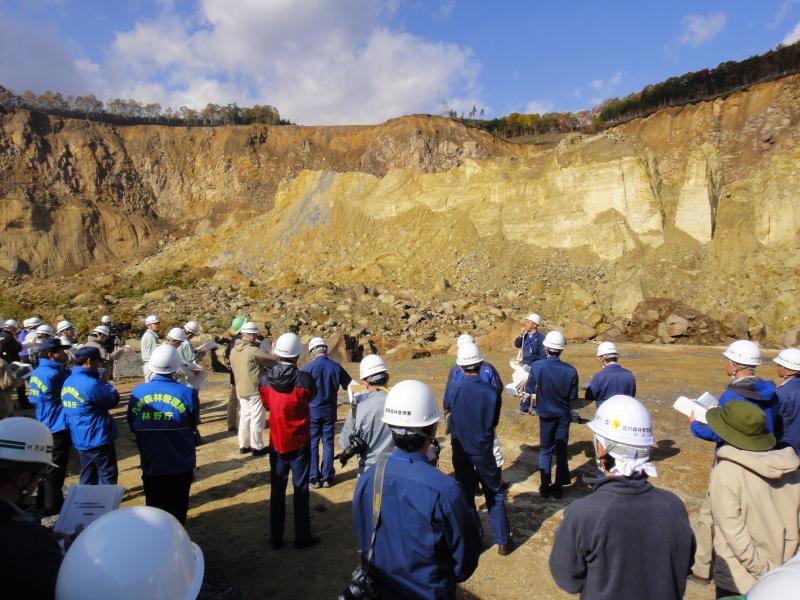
(361, 587)
(357, 446)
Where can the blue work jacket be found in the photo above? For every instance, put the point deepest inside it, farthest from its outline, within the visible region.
(532, 348)
(610, 381)
(163, 414)
(86, 401)
(428, 538)
(789, 408)
(555, 384)
(328, 376)
(487, 373)
(45, 392)
(474, 408)
(755, 390)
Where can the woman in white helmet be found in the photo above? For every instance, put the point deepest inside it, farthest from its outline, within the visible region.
(29, 554)
(788, 367)
(627, 540)
(364, 432)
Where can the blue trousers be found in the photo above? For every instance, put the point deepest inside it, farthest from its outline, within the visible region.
(553, 439)
(322, 427)
(99, 465)
(280, 465)
(468, 469)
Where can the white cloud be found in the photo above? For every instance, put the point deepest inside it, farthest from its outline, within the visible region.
(783, 11)
(792, 36)
(699, 29)
(596, 84)
(603, 88)
(538, 107)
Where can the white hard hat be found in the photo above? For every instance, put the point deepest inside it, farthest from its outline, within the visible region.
(465, 338)
(534, 318)
(63, 326)
(32, 322)
(192, 327)
(789, 358)
(624, 420)
(164, 360)
(288, 345)
(744, 352)
(177, 334)
(102, 329)
(249, 327)
(129, 554)
(554, 340)
(11, 323)
(316, 342)
(779, 583)
(150, 320)
(44, 330)
(105, 319)
(371, 364)
(606, 348)
(410, 403)
(26, 440)
(468, 354)
(65, 341)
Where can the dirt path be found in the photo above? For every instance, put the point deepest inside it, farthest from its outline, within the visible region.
(229, 507)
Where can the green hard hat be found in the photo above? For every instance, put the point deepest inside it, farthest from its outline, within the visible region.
(237, 323)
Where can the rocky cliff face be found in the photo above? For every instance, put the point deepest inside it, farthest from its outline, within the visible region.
(697, 203)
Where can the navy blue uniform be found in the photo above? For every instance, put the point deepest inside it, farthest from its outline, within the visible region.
(555, 384)
(487, 373)
(428, 539)
(789, 408)
(474, 407)
(532, 348)
(328, 376)
(86, 401)
(609, 381)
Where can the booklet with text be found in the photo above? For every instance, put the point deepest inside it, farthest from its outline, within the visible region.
(697, 407)
(86, 503)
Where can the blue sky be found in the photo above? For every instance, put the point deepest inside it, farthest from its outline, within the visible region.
(363, 61)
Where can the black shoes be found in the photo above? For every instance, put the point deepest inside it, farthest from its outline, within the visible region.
(245, 450)
(312, 541)
(316, 484)
(263, 452)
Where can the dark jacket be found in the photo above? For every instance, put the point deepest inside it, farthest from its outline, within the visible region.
(627, 540)
(532, 347)
(45, 392)
(328, 376)
(555, 384)
(286, 392)
(487, 373)
(474, 407)
(610, 381)
(29, 557)
(789, 408)
(86, 401)
(9, 347)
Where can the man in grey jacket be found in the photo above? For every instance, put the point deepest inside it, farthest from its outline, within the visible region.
(364, 430)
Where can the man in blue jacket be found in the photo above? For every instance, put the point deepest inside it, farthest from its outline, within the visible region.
(421, 510)
(474, 408)
(164, 414)
(555, 384)
(742, 358)
(328, 376)
(86, 400)
(612, 379)
(530, 341)
(788, 366)
(45, 383)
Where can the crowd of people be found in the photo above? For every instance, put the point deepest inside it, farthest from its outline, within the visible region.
(418, 529)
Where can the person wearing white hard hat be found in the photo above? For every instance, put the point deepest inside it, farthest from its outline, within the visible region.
(742, 357)
(247, 364)
(555, 385)
(164, 415)
(286, 392)
(612, 379)
(627, 540)
(364, 433)
(531, 350)
(106, 320)
(474, 408)
(186, 351)
(42, 334)
(98, 338)
(27, 336)
(29, 555)
(148, 343)
(787, 364)
(132, 554)
(329, 376)
(405, 502)
(10, 349)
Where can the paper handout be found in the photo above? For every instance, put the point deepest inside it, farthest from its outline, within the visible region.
(208, 346)
(356, 392)
(86, 503)
(698, 407)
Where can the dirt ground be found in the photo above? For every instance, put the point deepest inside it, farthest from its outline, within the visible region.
(229, 505)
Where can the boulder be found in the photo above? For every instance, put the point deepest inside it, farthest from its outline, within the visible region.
(676, 326)
(155, 295)
(579, 332)
(791, 338)
(736, 325)
(128, 364)
(87, 298)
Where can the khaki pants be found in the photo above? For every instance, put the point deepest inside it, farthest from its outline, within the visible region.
(233, 409)
(705, 546)
(252, 418)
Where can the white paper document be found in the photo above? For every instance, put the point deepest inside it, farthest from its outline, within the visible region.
(356, 392)
(208, 346)
(86, 503)
(21, 370)
(697, 407)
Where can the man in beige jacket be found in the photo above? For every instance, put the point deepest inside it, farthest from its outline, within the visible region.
(246, 362)
(755, 499)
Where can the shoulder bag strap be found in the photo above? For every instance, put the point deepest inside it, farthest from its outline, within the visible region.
(377, 496)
